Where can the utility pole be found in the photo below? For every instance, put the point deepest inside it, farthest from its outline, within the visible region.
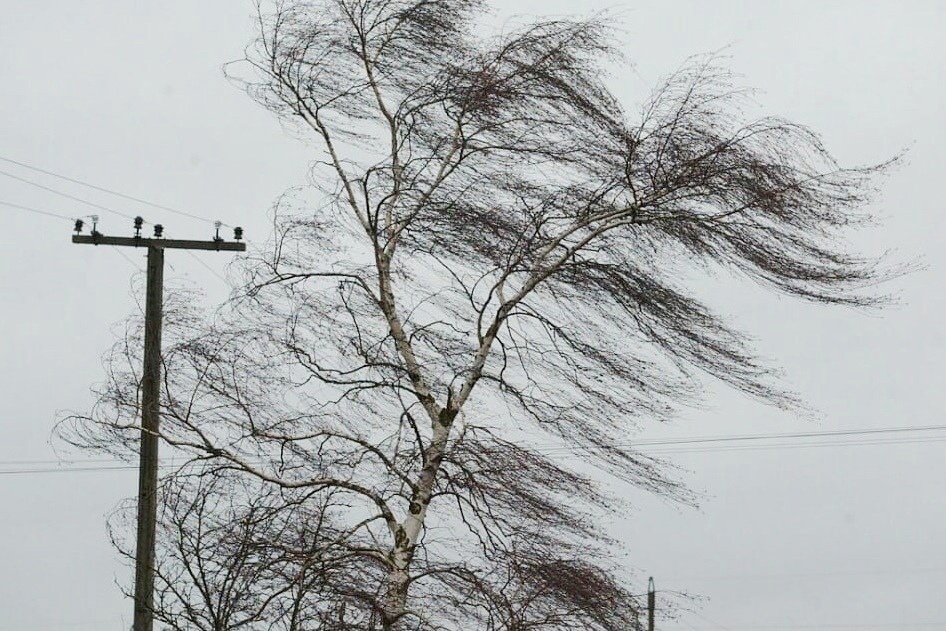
(151, 393)
(651, 603)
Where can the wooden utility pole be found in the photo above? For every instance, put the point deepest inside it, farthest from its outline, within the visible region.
(148, 455)
(651, 603)
(151, 396)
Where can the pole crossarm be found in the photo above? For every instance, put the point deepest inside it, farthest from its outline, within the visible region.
(164, 244)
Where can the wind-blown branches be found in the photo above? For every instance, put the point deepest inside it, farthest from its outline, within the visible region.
(530, 588)
(501, 251)
(235, 555)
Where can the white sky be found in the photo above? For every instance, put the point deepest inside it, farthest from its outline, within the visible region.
(130, 96)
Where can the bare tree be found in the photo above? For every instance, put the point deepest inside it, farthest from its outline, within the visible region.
(235, 554)
(500, 253)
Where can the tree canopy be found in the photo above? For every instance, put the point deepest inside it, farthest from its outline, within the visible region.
(496, 267)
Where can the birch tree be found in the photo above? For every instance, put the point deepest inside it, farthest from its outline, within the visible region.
(495, 268)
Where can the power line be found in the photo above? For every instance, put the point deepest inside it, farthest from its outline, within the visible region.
(825, 433)
(67, 195)
(706, 439)
(83, 469)
(109, 191)
(795, 575)
(207, 267)
(128, 258)
(552, 451)
(684, 444)
(712, 622)
(56, 625)
(36, 210)
(59, 462)
(579, 450)
(123, 467)
(802, 445)
(67, 470)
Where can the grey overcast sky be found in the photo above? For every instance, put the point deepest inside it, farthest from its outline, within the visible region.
(130, 96)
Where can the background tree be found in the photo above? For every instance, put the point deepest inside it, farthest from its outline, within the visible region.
(499, 257)
(235, 555)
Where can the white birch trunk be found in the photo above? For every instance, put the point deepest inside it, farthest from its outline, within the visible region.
(397, 583)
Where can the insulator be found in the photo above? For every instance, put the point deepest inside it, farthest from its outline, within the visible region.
(237, 233)
(79, 224)
(158, 230)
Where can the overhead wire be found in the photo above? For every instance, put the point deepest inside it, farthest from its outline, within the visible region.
(67, 195)
(712, 622)
(36, 210)
(138, 267)
(57, 625)
(579, 450)
(98, 465)
(59, 462)
(66, 469)
(97, 468)
(206, 266)
(797, 575)
(802, 445)
(109, 191)
(682, 443)
(813, 434)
